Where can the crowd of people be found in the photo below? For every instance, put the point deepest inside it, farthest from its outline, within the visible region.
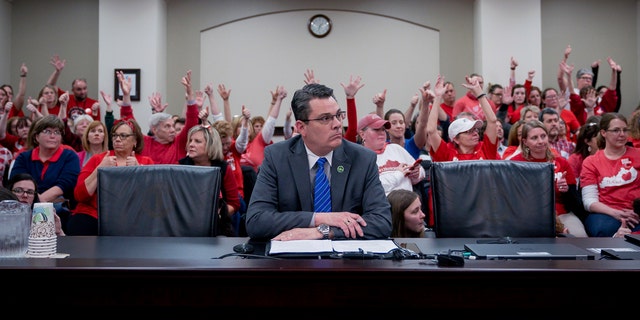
(51, 147)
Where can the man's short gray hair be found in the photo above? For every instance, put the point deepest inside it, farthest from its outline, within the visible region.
(158, 118)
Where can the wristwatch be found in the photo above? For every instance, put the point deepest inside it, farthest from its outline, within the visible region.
(324, 229)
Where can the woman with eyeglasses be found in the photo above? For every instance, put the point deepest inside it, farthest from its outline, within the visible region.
(54, 165)
(610, 179)
(24, 186)
(463, 133)
(128, 142)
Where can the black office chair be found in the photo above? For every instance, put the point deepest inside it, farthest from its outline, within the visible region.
(158, 200)
(493, 199)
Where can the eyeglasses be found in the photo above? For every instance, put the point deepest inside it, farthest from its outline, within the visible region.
(122, 136)
(471, 131)
(619, 130)
(326, 119)
(20, 191)
(50, 132)
(585, 78)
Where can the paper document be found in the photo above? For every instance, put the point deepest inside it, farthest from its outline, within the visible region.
(329, 246)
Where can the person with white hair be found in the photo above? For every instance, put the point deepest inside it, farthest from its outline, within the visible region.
(164, 146)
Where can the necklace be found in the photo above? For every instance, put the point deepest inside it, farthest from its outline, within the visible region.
(616, 155)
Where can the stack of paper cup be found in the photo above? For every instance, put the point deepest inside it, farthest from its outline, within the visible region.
(42, 239)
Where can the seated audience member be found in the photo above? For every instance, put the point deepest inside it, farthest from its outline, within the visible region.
(394, 161)
(78, 98)
(535, 148)
(502, 142)
(555, 101)
(407, 217)
(165, 146)
(263, 132)
(94, 141)
(610, 180)
(179, 123)
(562, 135)
(398, 127)
(513, 140)
(464, 133)
(205, 149)
(128, 143)
(24, 186)
(535, 97)
(587, 145)
(14, 133)
(74, 130)
(282, 203)
(529, 113)
(47, 103)
(54, 166)
(231, 150)
(634, 127)
(550, 118)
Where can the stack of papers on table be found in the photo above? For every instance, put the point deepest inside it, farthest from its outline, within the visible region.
(328, 247)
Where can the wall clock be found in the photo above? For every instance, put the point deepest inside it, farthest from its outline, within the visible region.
(319, 25)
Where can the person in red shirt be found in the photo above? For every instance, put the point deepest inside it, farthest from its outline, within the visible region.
(536, 148)
(79, 102)
(470, 102)
(464, 135)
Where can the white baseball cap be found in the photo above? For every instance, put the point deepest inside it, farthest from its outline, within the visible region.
(462, 125)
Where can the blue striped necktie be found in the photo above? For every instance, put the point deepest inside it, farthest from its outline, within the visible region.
(322, 192)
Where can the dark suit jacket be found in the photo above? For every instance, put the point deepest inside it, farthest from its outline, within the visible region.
(283, 198)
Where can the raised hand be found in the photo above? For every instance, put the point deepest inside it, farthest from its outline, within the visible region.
(514, 63)
(379, 98)
(309, 77)
(590, 99)
(352, 88)
(567, 52)
(199, 99)
(57, 63)
(223, 92)
(64, 98)
(125, 83)
(186, 82)
(155, 100)
(23, 69)
(473, 85)
(208, 90)
(507, 98)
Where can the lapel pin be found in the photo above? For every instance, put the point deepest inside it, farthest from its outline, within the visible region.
(340, 169)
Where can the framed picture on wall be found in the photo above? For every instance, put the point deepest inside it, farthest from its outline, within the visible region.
(134, 75)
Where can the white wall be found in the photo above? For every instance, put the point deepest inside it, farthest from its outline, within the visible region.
(502, 36)
(133, 39)
(253, 64)
(5, 49)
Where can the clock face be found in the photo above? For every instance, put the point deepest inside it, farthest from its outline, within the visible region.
(320, 25)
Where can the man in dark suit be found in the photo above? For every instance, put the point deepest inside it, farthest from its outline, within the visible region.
(282, 203)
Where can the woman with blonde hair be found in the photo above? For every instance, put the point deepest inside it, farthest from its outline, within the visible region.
(94, 141)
